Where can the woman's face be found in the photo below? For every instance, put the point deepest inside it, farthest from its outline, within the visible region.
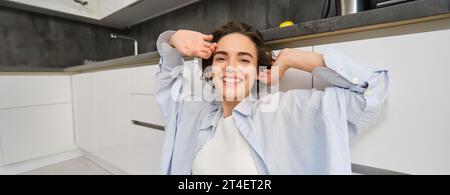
(234, 66)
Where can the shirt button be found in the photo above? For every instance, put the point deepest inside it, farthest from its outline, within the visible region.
(355, 81)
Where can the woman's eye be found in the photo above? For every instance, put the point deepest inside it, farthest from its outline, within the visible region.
(245, 61)
(220, 59)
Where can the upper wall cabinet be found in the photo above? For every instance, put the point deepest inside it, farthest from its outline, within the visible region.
(117, 13)
(90, 10)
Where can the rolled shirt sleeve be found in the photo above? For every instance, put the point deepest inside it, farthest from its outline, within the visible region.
(170, 57)
(362, 89)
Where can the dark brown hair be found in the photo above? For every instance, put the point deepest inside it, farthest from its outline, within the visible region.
(264, 53)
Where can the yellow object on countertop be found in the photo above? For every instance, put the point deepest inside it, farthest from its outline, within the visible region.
(286, 24)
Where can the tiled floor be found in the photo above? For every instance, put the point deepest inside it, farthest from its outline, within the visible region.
(79, 166)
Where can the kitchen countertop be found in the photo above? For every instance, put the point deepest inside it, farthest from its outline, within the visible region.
(389, 16)
(401, 12)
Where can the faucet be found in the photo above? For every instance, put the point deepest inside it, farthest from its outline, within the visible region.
(116, 36)
(81, 2)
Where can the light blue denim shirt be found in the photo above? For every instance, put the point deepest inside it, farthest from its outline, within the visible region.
(308, 133)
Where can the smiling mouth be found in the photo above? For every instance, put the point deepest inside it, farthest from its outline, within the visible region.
(232, 80)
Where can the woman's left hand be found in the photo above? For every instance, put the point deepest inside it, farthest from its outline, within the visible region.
(291, 58)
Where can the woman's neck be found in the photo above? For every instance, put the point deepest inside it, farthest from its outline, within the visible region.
(228, 107)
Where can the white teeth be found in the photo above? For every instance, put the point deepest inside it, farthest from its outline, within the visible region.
(232, 80)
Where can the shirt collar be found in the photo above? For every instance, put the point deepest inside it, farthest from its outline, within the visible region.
(245, 106)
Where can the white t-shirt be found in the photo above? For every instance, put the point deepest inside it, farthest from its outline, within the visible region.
(227, 153)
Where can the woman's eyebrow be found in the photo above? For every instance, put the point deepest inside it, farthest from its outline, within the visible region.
(245, 54)
(242, 53)
(221, 52)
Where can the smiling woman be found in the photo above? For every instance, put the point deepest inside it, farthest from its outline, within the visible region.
(296, 132)
(239, 50)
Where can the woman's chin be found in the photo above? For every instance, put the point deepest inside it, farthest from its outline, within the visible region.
(232, 95)
(232, 91)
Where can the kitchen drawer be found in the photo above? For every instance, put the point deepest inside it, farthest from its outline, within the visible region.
(142, 80)
(143, 151)
(20, 91)
(144, 108)
(33, 132)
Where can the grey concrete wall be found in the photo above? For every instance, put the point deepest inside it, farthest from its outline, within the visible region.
(30, 39)
(207, 15)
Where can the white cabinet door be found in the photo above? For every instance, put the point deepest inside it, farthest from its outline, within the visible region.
(37, 131)
(296, 79)
(144, 151)
(21, 91)
(105, 104)
(142, 80)
(102, 113)
(86, 132)
(144, 108)
(111, 114)
(412, 135)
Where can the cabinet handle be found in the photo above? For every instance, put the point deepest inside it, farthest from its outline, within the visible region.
(366, 170)
(389, 3)
(148, 125)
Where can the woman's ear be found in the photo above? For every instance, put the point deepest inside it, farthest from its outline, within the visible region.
(208, 76)
(264, 76)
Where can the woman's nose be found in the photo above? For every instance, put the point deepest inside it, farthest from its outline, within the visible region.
(232, 63)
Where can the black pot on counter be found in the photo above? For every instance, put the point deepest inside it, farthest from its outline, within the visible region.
(345, 7)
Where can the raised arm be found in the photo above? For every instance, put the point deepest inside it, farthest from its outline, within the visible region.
(359, 91)
(172, 46)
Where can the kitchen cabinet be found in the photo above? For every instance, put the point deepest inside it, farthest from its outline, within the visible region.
(143, 151)
(37, 131)
(111, 109)
(412, 133)
(101, 113)
(86, 131)
(144, 108)
(61, 6)
(143, 105)
(35, 117)
(22, 91)
(142, 80)
(105, 104)
(93, 9)
(119, 14)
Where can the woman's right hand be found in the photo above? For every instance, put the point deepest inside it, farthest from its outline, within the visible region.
(193, 44)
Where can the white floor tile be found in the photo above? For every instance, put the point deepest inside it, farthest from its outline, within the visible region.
(79, 166)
